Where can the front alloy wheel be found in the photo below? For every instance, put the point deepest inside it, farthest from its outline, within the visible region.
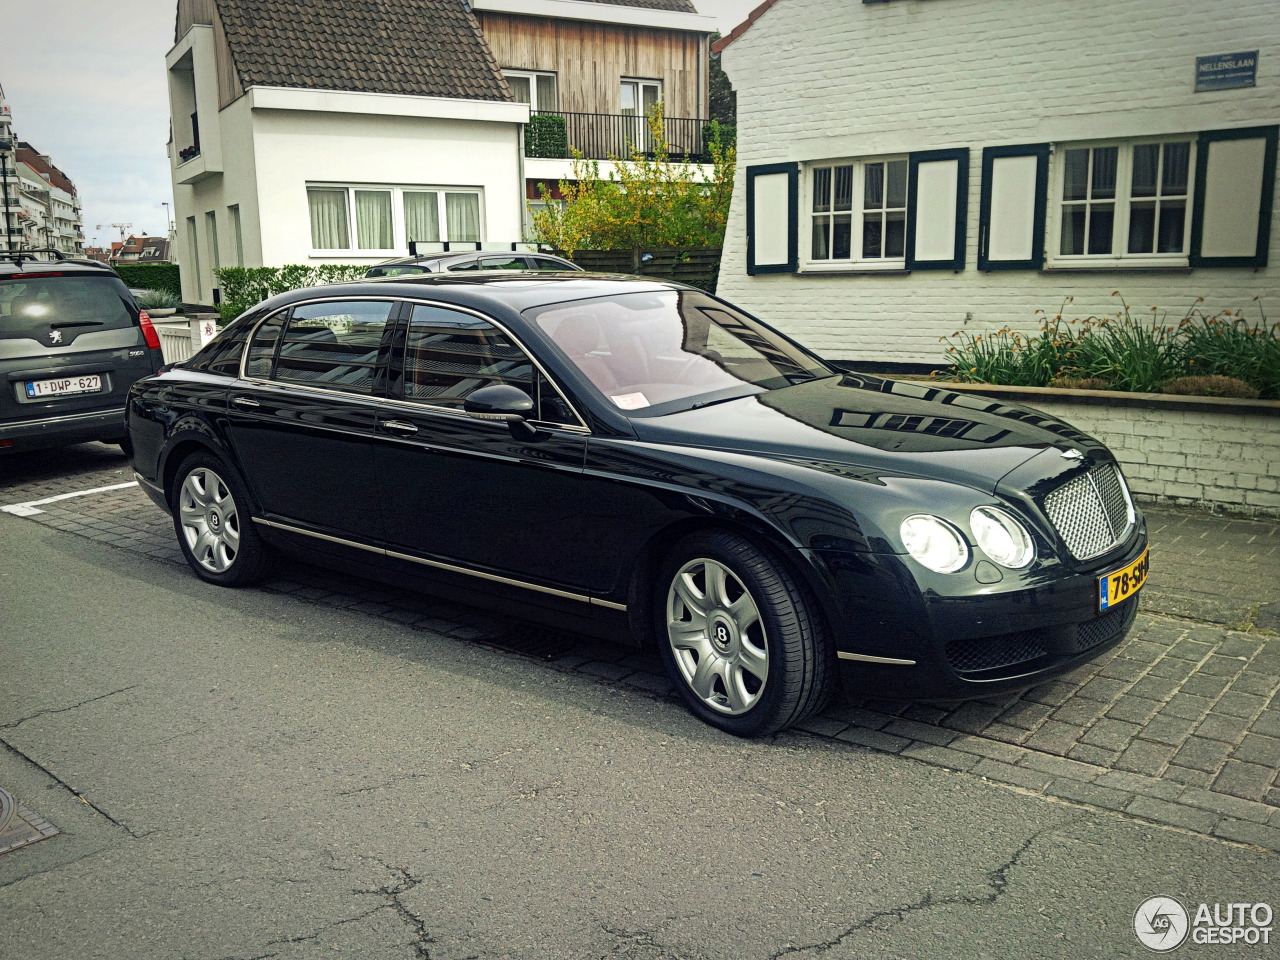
(743, 642)
(717, 636)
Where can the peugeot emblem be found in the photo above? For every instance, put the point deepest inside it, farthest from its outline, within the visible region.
(1072, 454)
(55, 336)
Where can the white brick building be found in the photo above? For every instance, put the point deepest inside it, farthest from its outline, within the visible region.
(909, 168)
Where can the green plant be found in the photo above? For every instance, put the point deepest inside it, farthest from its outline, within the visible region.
(1123, 351)
(158, 300)
(242, 287)
(151, 276)
(647, 201)
(546, 135)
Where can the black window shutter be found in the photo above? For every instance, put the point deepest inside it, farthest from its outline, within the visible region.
(1011, 217)
(1235, 175)
(772, 217)
(945, 219)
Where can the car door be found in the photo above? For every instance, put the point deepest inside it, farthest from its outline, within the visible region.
(302, 421)
(466, 492)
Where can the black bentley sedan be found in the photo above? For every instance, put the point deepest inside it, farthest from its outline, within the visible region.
(630, 457)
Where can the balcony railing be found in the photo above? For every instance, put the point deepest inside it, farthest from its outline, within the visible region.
(601, 136)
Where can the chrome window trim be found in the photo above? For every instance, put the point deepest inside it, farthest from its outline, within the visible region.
(441, 565)
(867, 658)
(579, 427)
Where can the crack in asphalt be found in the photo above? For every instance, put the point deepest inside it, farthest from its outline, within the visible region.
(73, 791)
(75, 706)
(55, 869)
(997, 879)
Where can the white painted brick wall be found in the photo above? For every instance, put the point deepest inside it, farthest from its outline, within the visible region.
(1221, 457)
(838, 78)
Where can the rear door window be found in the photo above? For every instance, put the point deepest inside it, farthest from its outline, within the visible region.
(54, 310)
(333, 345)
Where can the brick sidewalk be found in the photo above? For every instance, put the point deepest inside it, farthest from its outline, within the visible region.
(1175, 726)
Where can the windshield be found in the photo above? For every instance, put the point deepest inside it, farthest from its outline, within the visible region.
(32, 306)
(652, 353)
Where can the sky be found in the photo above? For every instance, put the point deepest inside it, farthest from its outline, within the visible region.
(85, 84)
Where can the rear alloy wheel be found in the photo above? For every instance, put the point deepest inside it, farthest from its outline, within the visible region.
(213, 525)
(742, 643)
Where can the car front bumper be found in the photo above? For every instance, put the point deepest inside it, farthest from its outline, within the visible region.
(924, 641)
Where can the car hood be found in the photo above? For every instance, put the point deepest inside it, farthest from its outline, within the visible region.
(893, 427)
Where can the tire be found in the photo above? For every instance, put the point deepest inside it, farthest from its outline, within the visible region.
(211, 519)
(742, 642)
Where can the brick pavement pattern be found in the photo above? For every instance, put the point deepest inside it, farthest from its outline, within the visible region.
(1176, 726)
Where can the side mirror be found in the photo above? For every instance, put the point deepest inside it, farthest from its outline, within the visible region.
(501, 401)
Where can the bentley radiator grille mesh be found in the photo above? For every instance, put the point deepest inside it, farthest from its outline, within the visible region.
(1091, 513)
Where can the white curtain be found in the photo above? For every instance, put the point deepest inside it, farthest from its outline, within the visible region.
(373, 219)
(421, 215)
(328, 219)
(462, 211)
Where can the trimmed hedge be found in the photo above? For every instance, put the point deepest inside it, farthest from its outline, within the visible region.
(546, 135)
(242, 287)
(151, 276)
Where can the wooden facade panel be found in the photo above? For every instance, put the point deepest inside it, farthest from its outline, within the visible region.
(191, 12)
(590, 60)
(229, 86)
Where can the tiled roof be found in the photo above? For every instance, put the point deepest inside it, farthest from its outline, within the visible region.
(678, 6)
(423, 48)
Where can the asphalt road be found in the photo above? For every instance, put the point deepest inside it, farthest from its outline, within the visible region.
(241, 774)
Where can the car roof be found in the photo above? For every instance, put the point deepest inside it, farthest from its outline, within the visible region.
(511, 291)
(18, 264)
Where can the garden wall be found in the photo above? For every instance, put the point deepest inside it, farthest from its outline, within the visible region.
(1210, 451)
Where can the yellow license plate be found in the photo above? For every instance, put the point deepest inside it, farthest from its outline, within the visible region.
(1123, 583)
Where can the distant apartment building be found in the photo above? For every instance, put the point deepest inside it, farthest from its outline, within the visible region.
(39, 203)
(141, 249)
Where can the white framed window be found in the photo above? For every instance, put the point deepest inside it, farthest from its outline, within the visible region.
(537, 88)
(857, 211)
(376, 220)
(1122, 203)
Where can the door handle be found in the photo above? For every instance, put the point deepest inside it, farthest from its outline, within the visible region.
(399, 427)
(245, 403)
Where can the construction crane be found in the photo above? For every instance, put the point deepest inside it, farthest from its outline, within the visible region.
(122, 227)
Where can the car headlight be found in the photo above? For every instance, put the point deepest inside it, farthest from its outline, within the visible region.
(935, 543)
(1002, 537)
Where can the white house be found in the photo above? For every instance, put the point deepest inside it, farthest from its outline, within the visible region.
(910, 168)
(312, 131)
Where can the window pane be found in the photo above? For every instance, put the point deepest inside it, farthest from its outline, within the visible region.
(263, 348)
(462, 210)
(844, 188)
(1073, 219)
(629, 97)
(519, 88)
(328, 219)
(1104, 172)
(421, 216)
(872, 236)
(373, 219)
(1101, 221)
(1173, 226)
(895, 234)
(333, 345)
(842, 237)
(1177, 161)
(873, 193)
(821, 244)
(1076, 176)
(1146, 160)
(822, 190)
(548, 99)
(1142, 227)
(897, 184)
(449, 354)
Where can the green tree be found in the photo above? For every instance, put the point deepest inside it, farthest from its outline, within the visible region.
(646, 201)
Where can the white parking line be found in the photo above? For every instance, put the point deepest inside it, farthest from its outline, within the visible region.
(30, 508)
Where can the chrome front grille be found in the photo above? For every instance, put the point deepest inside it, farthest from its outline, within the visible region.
(1093, 512)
